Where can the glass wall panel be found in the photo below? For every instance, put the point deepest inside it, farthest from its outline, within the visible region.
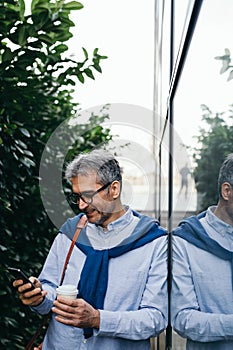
(202, 82)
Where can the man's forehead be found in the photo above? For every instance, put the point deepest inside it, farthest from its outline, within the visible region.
(87, 179)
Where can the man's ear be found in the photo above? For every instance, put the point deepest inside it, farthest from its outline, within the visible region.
(226, 191)
(115, 189)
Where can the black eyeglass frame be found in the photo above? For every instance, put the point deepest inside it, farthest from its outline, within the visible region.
(74, 198)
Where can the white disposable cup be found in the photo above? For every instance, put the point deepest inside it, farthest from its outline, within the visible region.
(67, 291)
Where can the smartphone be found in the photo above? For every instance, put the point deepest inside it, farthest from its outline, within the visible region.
(20, 275)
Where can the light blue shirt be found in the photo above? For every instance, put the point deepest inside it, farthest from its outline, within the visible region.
(135, 306)
(202, 295)
(116, 231)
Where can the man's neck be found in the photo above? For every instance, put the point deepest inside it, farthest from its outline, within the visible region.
(116, 215)
(222, 212)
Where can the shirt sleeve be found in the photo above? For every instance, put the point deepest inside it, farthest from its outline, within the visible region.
(187, 318)
(49, 280)
(151, 317)
(51, 272)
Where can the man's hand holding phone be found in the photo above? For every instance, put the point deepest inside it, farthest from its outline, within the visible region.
(29, 289)
(30, 297)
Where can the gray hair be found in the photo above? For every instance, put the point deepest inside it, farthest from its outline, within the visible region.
(226, 173)
(100, 162)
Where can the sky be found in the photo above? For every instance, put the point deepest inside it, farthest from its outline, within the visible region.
(124, 31)
(201, 81)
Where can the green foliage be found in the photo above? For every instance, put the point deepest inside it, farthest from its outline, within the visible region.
(215, 143)
(36, 86)
(226, 64)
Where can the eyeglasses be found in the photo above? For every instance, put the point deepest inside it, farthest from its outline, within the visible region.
(86, 197)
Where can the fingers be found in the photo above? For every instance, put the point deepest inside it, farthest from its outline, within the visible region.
(65, 307)
(23, 287)
(82, 222)
(77, 313)
(36, 282)
(32, 298)
(69, 304)
(66, 314)
(17, 283)
(38, 347)
(68, 311)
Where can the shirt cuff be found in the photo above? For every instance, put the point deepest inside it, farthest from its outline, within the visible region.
(44, 307)
(108, 323)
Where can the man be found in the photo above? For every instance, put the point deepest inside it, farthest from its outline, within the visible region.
(202, 289)
(119, 265)
(184, 172)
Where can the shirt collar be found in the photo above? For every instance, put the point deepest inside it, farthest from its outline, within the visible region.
(119, 224)
(216, 223)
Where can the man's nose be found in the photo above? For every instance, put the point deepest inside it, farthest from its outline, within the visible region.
(82, 205)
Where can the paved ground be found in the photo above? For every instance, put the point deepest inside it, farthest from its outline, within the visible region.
(178, 343)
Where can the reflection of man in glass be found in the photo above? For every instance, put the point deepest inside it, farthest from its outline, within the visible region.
(202, 272)
(184, 172)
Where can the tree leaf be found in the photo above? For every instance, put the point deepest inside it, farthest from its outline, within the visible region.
(81, 77)
(40, 4)
(225, 66)
(103, 57)
(230, 77)
(7, 55)
(89, 73)
(21, 9)
(27, 162)
(46, 39)
(25, 132)
(40, 18)
(97, 67)
(71, 82)
(73, 5)
(95, 52)
(22, 35)
(61, 48)
(85, 52)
